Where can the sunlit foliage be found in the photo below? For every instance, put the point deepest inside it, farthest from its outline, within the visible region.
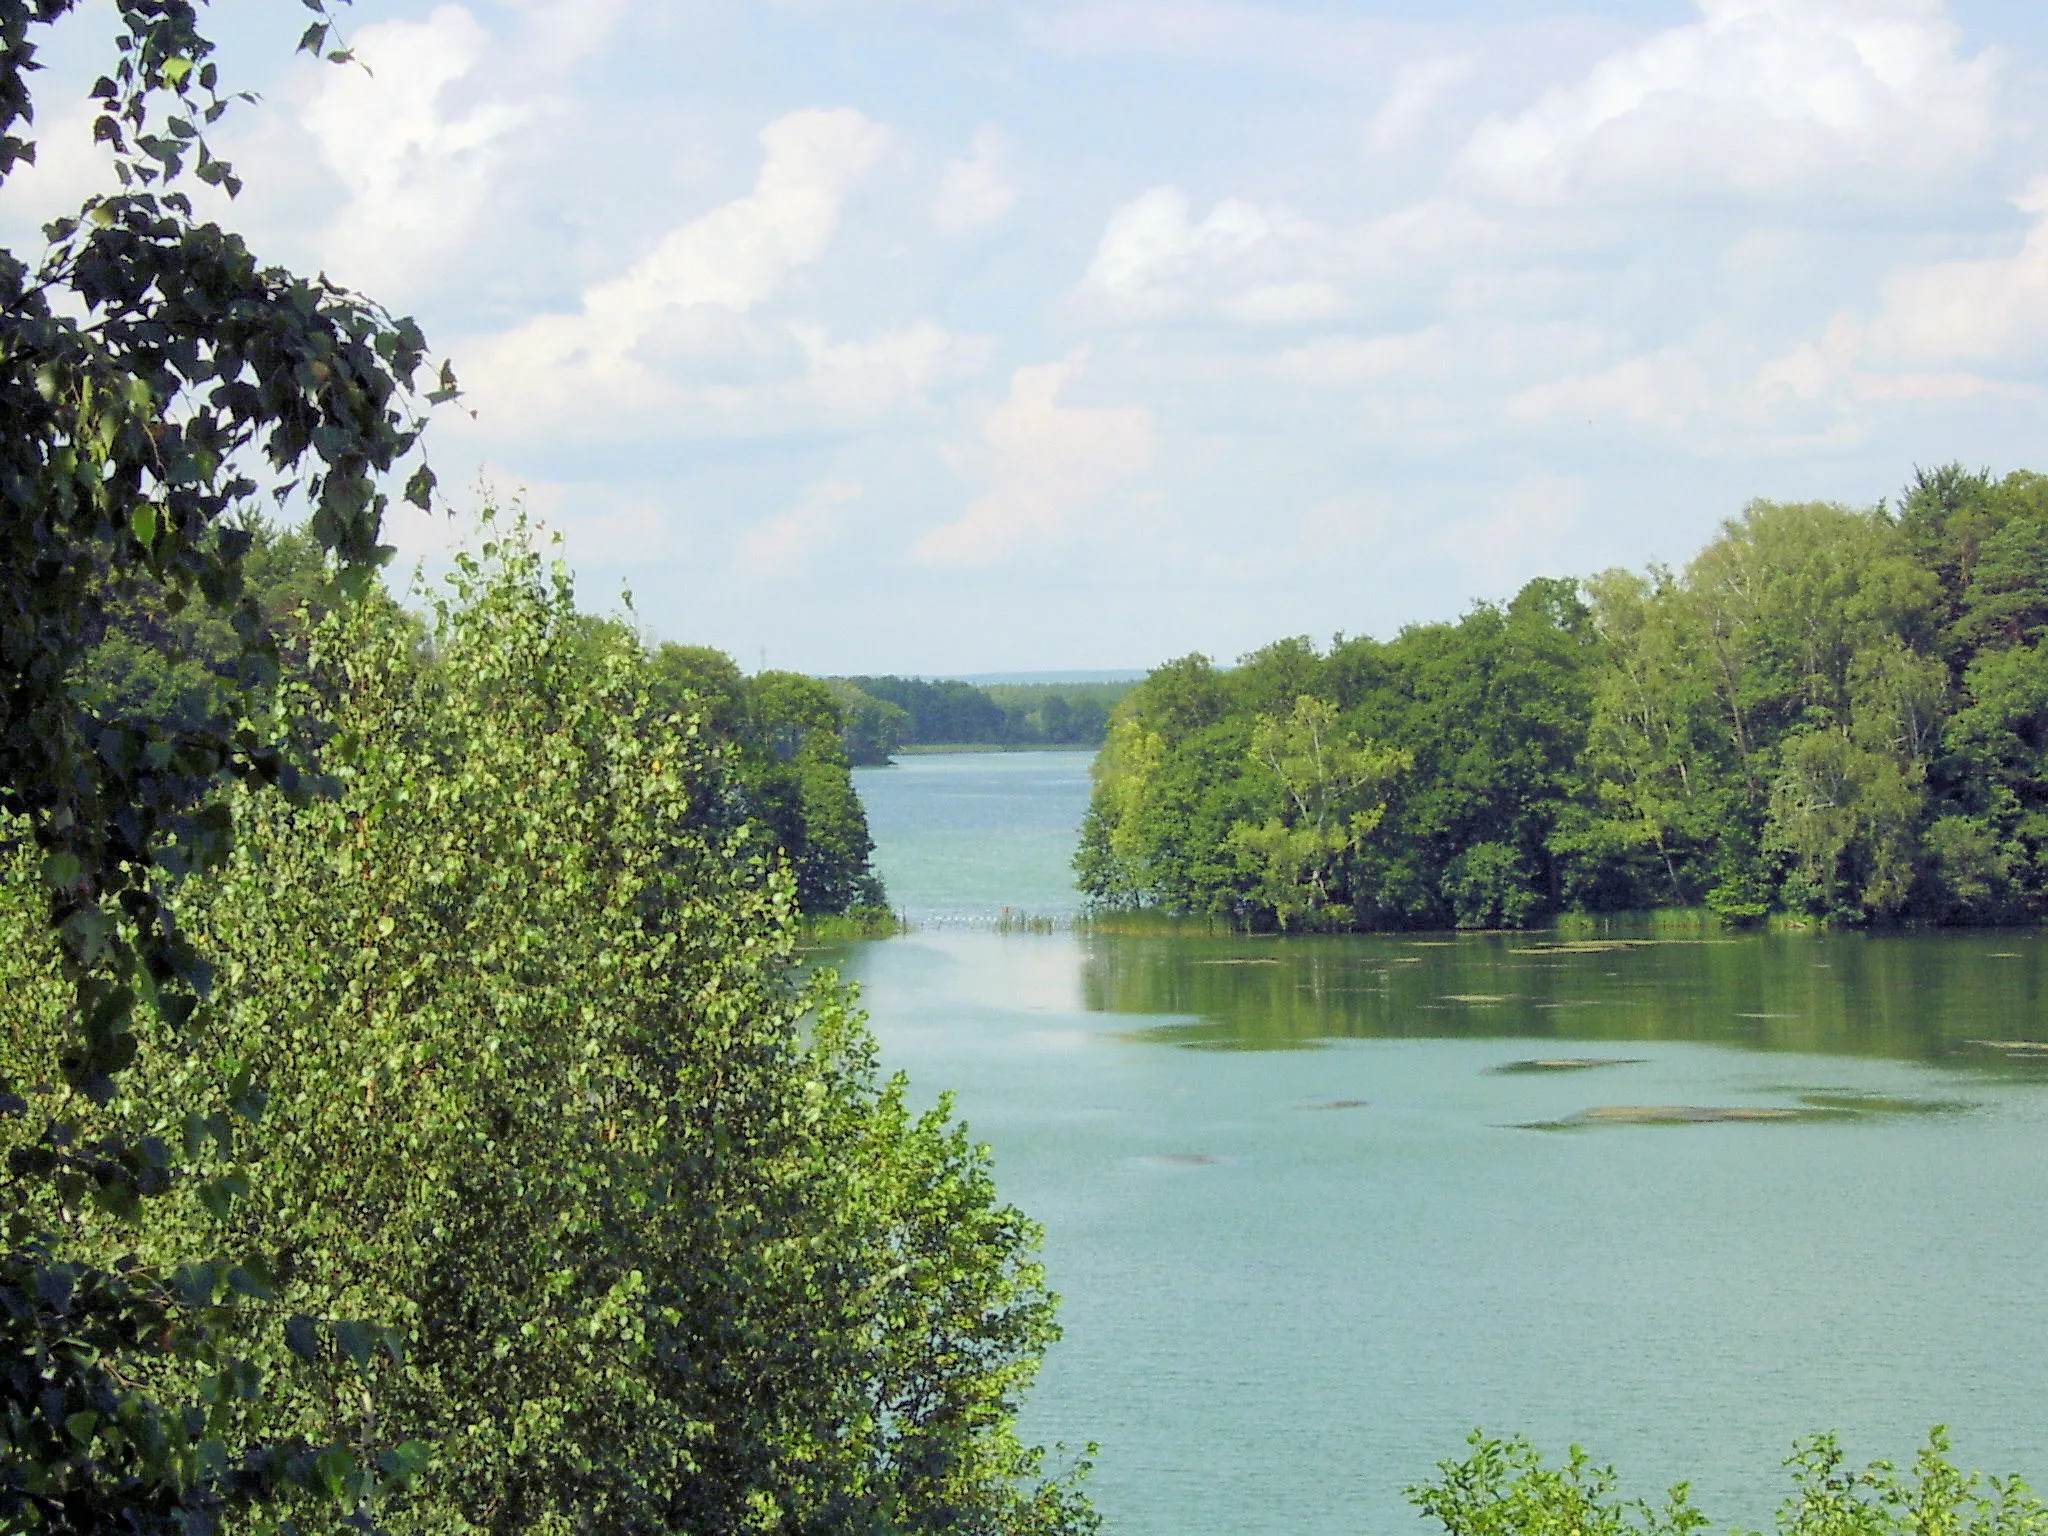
(1835, 714)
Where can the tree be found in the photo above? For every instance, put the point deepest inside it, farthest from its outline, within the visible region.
(150, 367)
(873, 728)
(665, 1250)
(1333, 785)
(787, 768)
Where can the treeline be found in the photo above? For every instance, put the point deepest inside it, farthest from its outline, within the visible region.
(544, 1179)
(1833, 713)
(777, 738)
(884, 714)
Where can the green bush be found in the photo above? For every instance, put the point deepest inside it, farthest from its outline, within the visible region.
(1503, 1488)
(657, 1247)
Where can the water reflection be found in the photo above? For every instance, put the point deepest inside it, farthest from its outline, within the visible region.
(1962, 1000)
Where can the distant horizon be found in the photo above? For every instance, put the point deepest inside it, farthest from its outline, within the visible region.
(1027, 677)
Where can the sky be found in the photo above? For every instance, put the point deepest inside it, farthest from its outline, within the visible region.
(943, 336)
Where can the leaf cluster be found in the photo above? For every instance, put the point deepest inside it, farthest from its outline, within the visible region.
(654, 1245)
(153, 373)
(1504, 1488)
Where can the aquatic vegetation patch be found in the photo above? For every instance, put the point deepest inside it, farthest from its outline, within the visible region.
(1179, 1160)
(1811, 1108)
(1680, 1114)
(1885, 1104)
(1569, 1063)
(1208, 1035)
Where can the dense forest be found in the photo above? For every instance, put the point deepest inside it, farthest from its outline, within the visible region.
(1834, 714)
(778, 736)
(608, 1204)
(885, 714)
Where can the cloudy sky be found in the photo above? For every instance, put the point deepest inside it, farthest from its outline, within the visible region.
(967, 335)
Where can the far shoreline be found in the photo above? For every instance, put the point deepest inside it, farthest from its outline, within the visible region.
(937, 749)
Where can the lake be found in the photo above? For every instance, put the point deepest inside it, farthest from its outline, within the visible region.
(1319, 1206)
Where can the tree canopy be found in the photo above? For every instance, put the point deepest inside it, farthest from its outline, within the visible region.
(1834, 713)
(412, 1107)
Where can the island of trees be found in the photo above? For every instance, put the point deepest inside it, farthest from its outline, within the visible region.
(1834, 714)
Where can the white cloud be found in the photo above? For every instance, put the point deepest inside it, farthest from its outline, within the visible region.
(1520, 536)
(740, 254)
(68, 169)
(1419, 86)
(1211, 29)
(1661, 390)
(789, 541)
(1757, 98)
(1151, 241)
(561, 32)
(417, 174)
(682, 341)
(1349, 362)
(1155, 260)
(1044, 461)
(1988, 312)
(974, 193)
(1349, 525)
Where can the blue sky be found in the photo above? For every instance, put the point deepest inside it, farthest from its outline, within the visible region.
(974, 335)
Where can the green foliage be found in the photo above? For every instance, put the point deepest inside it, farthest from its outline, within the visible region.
(949, 712)
(787, 771)
(873, 728)
(917, 712)
(652, 1244)
(1503, 1488)
(1332, 788)
(150, 367)
(1451, 738)
(1830, 714)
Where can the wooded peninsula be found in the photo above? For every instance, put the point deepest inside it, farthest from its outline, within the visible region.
(1829, 714)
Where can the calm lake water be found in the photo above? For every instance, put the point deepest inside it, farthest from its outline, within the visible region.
(1317, 1207)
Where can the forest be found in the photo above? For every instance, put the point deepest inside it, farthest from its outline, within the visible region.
(778, 736)
(595, 1197)
(886, 714)
(1830, 714)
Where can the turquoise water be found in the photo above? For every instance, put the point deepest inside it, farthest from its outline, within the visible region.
(960, 837)
(1309, 1232)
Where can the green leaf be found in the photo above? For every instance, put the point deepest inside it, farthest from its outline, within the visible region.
(302, 1337)
(251, 1280)
(419, 490)
(404, 1462)
(356, 1340)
